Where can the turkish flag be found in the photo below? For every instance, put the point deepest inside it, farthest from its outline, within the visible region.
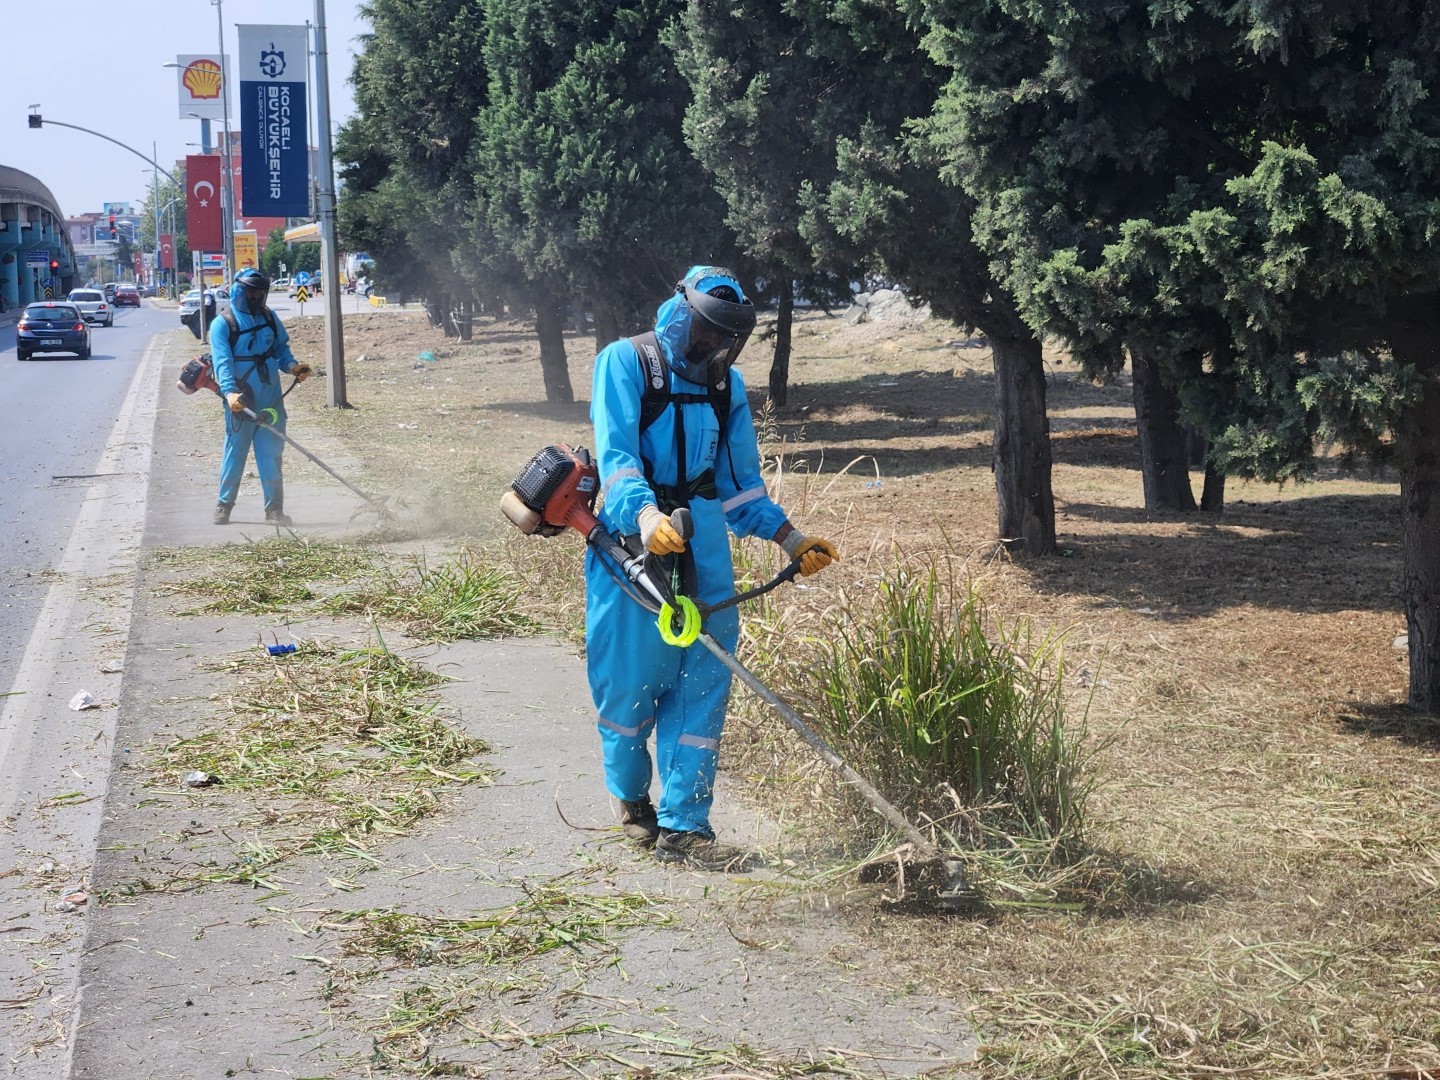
(202, 202)
(167, 251)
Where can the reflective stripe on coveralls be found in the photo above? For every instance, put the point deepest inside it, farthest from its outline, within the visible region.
(636, 680)
(230, 368)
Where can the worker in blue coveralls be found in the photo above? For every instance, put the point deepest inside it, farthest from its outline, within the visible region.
(249, 350)
(673, 428)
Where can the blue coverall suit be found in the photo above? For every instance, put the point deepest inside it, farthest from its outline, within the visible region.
(638, 683)
(258, 358)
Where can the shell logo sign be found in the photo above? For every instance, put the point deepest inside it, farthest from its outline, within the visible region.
(201, 86)
(202, 79)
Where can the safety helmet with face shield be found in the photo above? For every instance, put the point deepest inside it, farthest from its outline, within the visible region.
(705, 324)
(250, 291)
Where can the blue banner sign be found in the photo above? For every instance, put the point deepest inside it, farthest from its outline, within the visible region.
(274, 151)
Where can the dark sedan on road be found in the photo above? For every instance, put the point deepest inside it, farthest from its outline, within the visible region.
(52, 326)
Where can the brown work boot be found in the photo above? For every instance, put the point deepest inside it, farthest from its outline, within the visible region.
(638, 821)
(701, 851)
(278, 517)
(222, 514)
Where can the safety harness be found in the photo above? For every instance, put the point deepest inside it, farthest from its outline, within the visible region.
(257, 362)
(655, 400)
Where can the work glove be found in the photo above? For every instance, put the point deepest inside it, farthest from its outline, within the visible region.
(236, 402)
(814, 553)
(657, 534)
(301, 372)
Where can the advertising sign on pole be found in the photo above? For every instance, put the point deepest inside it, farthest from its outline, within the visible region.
(202, 85)
(202, 201)
(275, 163)
(247, 250)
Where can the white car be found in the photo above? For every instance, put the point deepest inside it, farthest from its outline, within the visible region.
(93, 306)
(189, 302)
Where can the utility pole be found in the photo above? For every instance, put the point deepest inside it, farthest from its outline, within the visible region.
(330, 255)
(227, 182)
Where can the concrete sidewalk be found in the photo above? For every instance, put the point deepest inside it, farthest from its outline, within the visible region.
(745, 976)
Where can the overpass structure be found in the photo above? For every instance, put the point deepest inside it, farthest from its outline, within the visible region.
(32, 236)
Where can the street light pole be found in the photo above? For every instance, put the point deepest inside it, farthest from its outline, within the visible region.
(334, 331)
(227, 184)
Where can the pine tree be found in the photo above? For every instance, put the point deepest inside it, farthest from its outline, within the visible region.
(1258, 185)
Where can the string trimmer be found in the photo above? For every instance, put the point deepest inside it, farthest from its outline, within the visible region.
(199, 374)
(556, 490)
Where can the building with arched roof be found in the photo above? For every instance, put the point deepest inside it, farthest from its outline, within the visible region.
(32, 237)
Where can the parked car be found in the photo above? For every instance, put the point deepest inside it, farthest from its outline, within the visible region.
(126, 295)
(52, 326)
(92, 305)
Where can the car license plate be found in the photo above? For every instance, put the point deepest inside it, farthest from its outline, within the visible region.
(51, 341)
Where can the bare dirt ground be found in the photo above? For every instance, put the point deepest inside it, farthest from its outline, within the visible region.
(1256, 767)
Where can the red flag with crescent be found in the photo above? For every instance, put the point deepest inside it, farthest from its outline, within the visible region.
(167, 251)
(203, 218)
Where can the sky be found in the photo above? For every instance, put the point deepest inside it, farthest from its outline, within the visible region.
(99, 66)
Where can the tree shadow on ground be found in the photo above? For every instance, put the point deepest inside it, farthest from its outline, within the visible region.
(565, 413)
(1324, 554)
(1418, 730)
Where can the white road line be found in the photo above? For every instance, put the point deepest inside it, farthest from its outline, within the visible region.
(55, 763)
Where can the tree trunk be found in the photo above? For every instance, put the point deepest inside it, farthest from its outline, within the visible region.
(550, 329)
(780, 365)
(1418, 442)
(1164, 467)
(1212, 498)
(607, 326)
(1021, 454)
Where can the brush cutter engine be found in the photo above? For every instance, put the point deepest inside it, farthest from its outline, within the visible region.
(198, 374)
(555, 490)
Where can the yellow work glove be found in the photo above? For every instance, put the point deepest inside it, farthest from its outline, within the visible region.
(236, 402)
(301, 372)
(657, 534)
(814, 553)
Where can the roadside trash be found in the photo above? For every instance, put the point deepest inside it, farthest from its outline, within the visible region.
(72, 901)
(426, 357)
(1402, 642)
(198, 779)
(111, 668)
(82, 701)
(279, 650)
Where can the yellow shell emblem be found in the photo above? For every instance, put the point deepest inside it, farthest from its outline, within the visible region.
(202, 79)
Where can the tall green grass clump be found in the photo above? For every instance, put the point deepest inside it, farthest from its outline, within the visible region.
(952, 712)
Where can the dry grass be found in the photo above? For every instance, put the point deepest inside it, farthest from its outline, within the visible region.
(336, 749)
(1275, 814)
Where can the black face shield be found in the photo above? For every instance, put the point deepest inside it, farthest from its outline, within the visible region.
(720, 324)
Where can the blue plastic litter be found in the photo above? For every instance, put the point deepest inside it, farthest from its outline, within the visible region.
(427, 357)
(279, 650)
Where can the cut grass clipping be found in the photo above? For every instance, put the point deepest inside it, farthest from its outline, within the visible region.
(562, 930)
(464, 597)
(266, 575)
(961, 719)
(345, 748)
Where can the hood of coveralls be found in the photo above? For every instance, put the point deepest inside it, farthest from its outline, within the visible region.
(676, 316)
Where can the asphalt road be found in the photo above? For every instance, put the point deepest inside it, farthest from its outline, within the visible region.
(58, 412)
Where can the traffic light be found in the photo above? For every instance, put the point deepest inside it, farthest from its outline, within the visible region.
(54, 265)
(36, 120)
(112, 226)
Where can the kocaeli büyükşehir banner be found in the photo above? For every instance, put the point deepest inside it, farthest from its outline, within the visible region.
(275, 162)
